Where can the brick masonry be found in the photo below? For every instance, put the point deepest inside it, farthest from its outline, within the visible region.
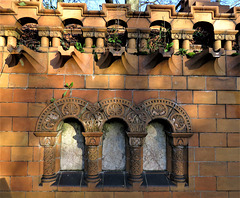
(211, 100)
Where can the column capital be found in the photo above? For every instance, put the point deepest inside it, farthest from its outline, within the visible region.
(180, 139)
(6, 30)
(136, 138)
(46, 31)
(92, 138)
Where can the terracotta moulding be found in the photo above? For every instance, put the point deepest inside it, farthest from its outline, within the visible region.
(92, 160)
(136, 158)
(179, 156)
(47, 140)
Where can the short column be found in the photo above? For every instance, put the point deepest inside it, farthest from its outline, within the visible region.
(49, 174)
(12, 41)
(136, 158)
(179, 156)
(2, 41)
(92, 160)
(44, 41)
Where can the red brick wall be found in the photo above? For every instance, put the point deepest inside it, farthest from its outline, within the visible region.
(212, 102)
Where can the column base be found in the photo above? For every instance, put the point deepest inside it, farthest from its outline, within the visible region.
(92, 180)
(178, 178)
(48, 178)
(135, 180)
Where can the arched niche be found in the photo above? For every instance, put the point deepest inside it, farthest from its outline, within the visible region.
(155, 145)
(114, 143)
(29, 37)
(160, 35)
(204, 34)
(63, 109)
(72, 33)
(72, 145)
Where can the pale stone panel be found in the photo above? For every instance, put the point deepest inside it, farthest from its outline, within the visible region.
(72, 147)
(113, 153)
(154, 148)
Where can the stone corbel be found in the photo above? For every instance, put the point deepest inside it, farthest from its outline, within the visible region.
(92, 157)
(36, 59)
(47, 140)
(201, 58)
(136, 140)
(179, 156)
(12, 33)
(62, 56)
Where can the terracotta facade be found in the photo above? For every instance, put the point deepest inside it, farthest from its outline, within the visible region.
(196, 98)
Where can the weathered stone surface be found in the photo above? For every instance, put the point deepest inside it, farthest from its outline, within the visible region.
(72, 148)
(113, 154)
(154, 148)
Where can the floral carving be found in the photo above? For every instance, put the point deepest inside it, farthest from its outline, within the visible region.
(178, 121)
(115, 109)
(158, 110)
(70, 109)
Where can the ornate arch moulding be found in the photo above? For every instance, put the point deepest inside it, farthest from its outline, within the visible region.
(137, 117)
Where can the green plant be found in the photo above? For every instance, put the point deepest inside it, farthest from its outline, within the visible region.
(95, 57)
(69, 86)
(159, 39)
(235, 54)
(191, 54)
(52, 100)
(114, 39)
(79, 47)
(93, 46)
(181, 52)
(22, 3)
(168, 47)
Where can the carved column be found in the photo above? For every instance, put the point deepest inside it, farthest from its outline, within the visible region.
(47, 140)
(88, 34)
(218, 36)
(132, 36)
(179, 156)
(92, 159)
(2, 41)
(56, 34)
(186, 36)
(12, 34)
(136, 157)
(229, 37)
(144, 35)
(100, 34)
(176, 35)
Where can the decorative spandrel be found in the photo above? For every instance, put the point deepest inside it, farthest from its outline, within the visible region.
(154, 148)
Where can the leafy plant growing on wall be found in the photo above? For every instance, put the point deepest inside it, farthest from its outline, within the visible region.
(79, 47)
(159, 39)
